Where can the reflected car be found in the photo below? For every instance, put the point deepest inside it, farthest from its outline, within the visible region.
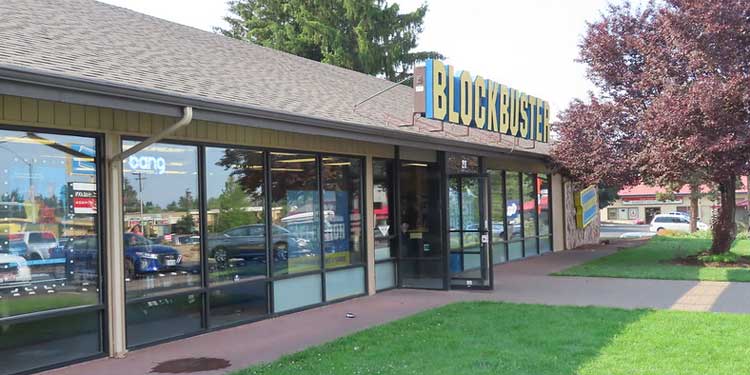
(39, 244)
(249, 242)
(143, 256)
(13, 270)
(13, 244)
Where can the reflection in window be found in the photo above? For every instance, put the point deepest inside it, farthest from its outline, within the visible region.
(497, 190)
(161, 219)
(49, 244)
(236, 215)
(382, 197)
(342, 226)
(543, 199)
(513, 205)
(295, 209)
(49, 248)
(529, 213)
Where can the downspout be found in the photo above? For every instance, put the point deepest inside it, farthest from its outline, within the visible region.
(187, 117)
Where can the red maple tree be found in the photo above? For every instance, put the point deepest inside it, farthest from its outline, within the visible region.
(673, 101)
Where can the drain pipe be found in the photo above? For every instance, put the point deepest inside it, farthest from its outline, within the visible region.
(187, 117)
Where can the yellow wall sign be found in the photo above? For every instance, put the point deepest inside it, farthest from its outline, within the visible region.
(587, 206)
(481, 103)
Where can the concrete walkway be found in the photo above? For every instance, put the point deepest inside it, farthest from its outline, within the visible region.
(524, 281)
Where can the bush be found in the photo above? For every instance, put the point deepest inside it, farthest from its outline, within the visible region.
(727, 257)
(701, 234)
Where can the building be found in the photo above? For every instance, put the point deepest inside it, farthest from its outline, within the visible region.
(639, 204)
(162, 181)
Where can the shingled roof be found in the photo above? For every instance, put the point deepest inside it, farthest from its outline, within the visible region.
(91, 40)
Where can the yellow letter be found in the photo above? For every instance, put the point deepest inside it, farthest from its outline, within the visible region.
(480, 112)
(504, 115)
(524, 122)
(466, 96)
(533, 132)
(492, 123)
(452, 114)
(439, 83)
(513, 112)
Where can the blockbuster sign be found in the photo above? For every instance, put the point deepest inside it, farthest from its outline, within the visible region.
(444, 95)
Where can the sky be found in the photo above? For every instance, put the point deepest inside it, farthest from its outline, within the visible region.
(530, 45)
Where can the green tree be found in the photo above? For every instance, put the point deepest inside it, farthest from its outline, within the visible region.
(369, 36)
(186, 224)
(233, 204)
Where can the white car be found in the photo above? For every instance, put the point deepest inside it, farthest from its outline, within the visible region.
(677, 223)
(13, 270)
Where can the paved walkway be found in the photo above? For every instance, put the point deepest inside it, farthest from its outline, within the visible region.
(524, 281)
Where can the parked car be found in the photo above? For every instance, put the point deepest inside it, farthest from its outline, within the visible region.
(13, 270)
(13, 244)
(249, 242)
(141, 255)
(673, 222)
(39, 244)
(680, 213)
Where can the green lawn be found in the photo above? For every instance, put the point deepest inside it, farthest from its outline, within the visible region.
(651, 261)
(501, 338)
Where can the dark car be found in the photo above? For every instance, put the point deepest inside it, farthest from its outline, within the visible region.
(249, 242)
(141, 255)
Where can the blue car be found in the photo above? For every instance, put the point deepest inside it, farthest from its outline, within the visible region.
(141, 255)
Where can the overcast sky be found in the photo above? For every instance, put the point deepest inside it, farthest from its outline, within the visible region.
(529, 45)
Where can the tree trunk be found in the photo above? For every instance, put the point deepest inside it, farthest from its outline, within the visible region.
(693, 214)
(695, 196)
(724, 226)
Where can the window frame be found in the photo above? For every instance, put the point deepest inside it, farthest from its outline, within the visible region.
(102, 281)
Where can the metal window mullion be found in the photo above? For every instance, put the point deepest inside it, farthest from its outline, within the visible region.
(321, 230)
(270, 260)
(396, 194)
(203, 229)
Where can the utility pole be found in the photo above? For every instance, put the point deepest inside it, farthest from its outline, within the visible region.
(140, 177)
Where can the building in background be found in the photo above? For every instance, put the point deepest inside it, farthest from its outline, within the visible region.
(639, 204)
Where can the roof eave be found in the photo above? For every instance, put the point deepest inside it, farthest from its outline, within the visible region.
(46, 85)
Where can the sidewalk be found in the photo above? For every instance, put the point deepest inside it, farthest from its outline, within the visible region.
(524, 281)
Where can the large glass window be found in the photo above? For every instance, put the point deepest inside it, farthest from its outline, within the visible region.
(513, 214)
(382, 216)
(49, 248)
(543, 188)
(295, 212)
(160, 202)
(498, 208)
(530, 215)
(236, 245)
(342, 207)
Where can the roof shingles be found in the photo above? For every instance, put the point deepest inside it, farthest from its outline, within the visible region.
(88, 39)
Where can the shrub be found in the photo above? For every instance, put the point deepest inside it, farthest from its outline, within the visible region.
(719, 258)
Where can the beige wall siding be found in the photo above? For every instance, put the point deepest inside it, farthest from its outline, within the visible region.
(558, 213)
(15, 110)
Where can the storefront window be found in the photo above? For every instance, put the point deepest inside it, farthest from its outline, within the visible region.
(49, 235)
(513, 214)
(382, 196)
(49, 249)
(530, 215)
(295, 212)
(543, 188)
(497, 191)
(236, 245)
(342, 204)
(162, 220)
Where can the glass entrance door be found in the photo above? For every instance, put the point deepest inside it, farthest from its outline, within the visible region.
(420, 230)
(468, 232)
